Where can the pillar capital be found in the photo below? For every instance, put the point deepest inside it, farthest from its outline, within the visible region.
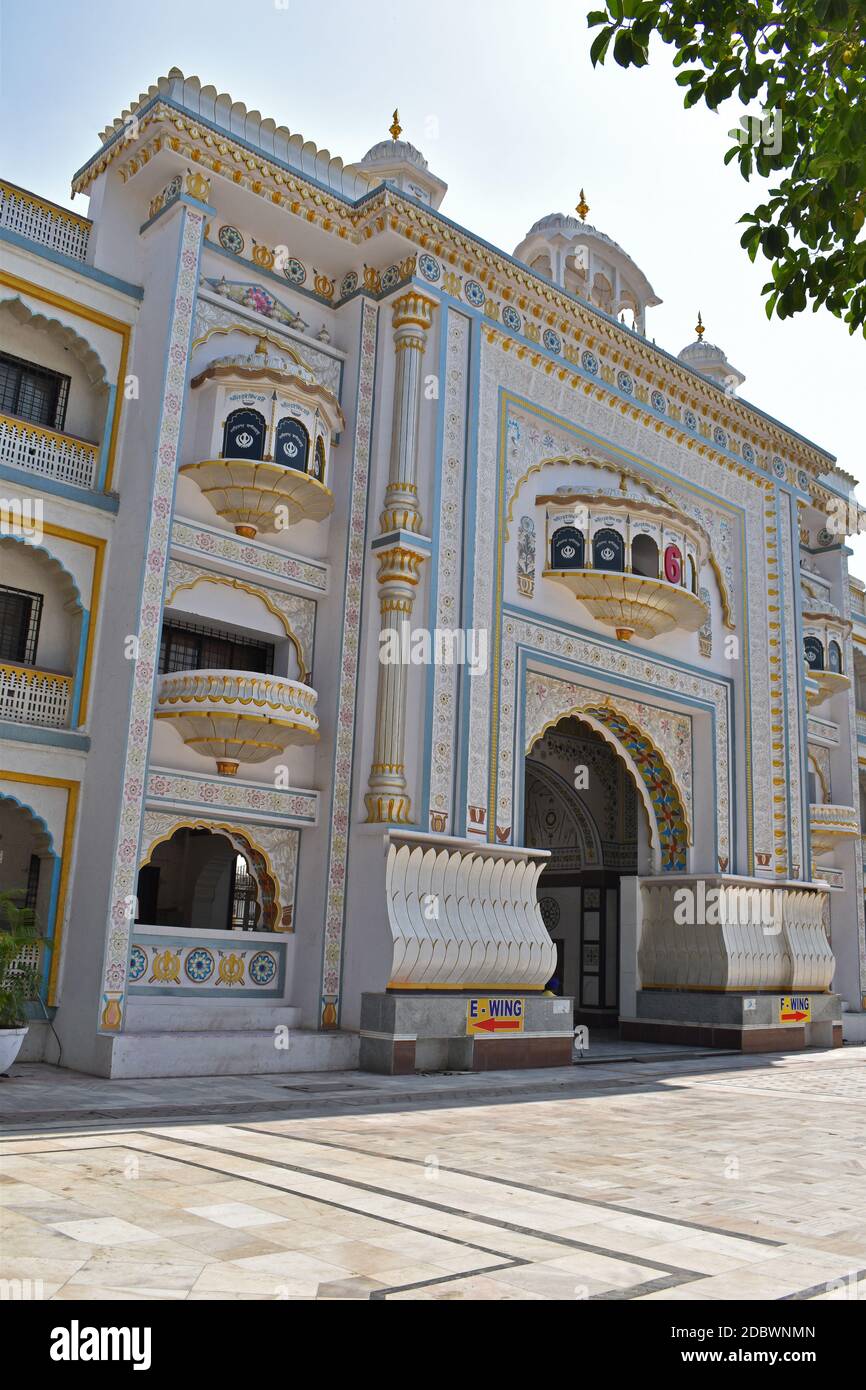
(414, 310)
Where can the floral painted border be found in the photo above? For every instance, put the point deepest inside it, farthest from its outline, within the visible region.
(124, 882)
(248, 555)
(218, 794)
(335, 907)
(449, 567)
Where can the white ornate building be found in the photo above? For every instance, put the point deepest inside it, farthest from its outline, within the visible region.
(389, 624)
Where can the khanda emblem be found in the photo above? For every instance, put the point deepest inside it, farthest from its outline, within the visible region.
(244, 440)
(290, 448)
(166, 968)
(231, 969)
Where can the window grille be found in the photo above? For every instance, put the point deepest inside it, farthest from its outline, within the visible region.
(191, 647)
(32, 891)
(20, 616)
(32, 392)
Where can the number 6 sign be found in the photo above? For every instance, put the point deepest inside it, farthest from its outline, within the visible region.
(673, 564)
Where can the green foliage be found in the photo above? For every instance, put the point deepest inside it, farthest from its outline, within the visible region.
(19, 980)
(806, 61)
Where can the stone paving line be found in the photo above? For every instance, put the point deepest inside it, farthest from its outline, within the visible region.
(674, 1180)
(37, 1093)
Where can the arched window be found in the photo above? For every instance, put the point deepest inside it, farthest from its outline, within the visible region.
(608, 550)
(645, 557)
(199, 880)
(244, 435)
(567, 549)
(693, 575)
(834, 658)
(813, 651)
(292, 444)
(317, 467)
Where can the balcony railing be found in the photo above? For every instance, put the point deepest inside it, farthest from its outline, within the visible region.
(44, 451)
(237, 716)
(39, 220)
(830, 824)
(28, 696)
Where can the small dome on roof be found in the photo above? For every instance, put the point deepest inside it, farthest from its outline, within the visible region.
(387, 151)
(399, 162)
(710, 361)
(582, 260)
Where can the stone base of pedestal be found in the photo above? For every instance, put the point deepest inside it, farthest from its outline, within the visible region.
(745, 1022)
(406, 1033)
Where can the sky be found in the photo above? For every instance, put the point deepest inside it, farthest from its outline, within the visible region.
(501, 98)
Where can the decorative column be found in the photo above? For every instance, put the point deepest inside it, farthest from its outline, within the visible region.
(401, 550)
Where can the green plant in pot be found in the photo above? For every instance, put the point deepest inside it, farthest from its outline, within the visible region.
(21, 947)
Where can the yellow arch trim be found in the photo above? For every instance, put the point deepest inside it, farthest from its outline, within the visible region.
(229, 830)
(609, 466)
(72, 792)
(123, 330)
(257, 593)
(580, 712)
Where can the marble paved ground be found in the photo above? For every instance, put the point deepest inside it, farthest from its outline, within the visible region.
(666, 1179)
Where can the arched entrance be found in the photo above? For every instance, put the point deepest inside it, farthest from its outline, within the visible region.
(29, 868)
(582, 805)
(205, 881)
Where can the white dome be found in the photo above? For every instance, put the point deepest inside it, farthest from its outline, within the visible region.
(710, 361)
(585, 261)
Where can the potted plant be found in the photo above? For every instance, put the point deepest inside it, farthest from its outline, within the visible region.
(20, 960)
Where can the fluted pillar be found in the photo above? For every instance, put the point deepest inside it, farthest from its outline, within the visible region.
(400, 560)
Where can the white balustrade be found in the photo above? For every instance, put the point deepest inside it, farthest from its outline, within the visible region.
(47, 452)
(28, 696)
(38, 220)
(733, 934)
(464, 914)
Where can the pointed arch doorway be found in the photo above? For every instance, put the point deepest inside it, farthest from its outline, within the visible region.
(583, 805)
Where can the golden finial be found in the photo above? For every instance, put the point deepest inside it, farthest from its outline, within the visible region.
(396, 128)
(699, 327)
(583, 207)
(262, 347)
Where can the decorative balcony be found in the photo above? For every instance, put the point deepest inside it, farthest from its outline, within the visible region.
(825, 633)
(831, 825)
(29, 696)
(259, 496)
(632, 604)
(266, 427)
(238, 716)
(39, 450)
(39, 220)
(632, 562)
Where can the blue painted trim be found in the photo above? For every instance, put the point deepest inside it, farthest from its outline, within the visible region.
(70, 263)
(470, 509)
(50, 931)
(38, 733)
(153, 473)
(525, 654)
(805, 869)
(433, 594)
(400, 537)
(105, 448)
(22, 477)
(783, 579)
(182, 199)
(353, 760)
(79, 668)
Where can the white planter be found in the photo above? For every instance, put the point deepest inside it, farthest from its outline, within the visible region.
(11, 1042)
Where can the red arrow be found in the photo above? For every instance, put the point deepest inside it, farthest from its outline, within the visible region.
(795, 1017)
(493, 1025)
